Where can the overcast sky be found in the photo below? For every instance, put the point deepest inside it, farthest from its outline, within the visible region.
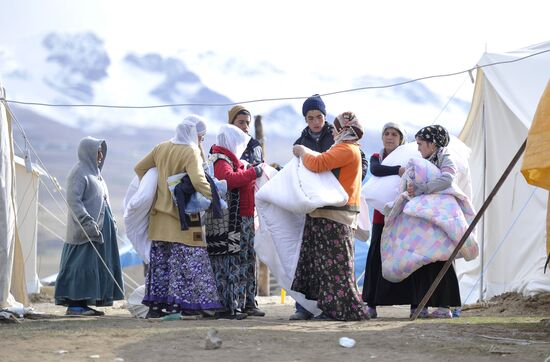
(390, 38)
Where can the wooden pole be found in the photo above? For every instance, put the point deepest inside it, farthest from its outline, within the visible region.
(263, 271)
(485, 205)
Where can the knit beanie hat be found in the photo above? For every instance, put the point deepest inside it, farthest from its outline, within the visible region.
(235, 111)
(314, 103)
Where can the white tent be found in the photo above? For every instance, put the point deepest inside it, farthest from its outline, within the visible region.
(512, 233)
(10, 246)
(26, 187)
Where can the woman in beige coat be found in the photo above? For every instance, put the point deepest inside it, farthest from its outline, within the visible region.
(180, 276)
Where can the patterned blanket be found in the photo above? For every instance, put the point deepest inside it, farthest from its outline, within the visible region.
(426, 228)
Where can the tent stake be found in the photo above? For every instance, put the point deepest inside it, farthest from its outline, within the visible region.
(478, 216)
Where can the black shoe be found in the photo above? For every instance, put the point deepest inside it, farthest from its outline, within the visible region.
(254, 312)
(155, 313)
(229, 315)
(300, 316)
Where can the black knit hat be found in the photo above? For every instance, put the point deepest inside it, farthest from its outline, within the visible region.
(314, 102)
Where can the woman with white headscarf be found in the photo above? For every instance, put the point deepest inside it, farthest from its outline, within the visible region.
(180, 277)
(231, 239)
(376, 289)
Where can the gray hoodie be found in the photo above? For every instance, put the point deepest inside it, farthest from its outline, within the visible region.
(87, 194)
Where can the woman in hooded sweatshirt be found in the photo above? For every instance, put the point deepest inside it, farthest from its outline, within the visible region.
(325, 270)
(376, 289)
(89, 272)
(231, 238)
(180, 277)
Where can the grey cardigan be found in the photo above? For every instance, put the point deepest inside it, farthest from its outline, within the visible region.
(87, 194)
(443, 161)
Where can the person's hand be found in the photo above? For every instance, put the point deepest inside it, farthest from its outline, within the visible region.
(410, 188)
(259, 171)
(298, 150)
(401, 171)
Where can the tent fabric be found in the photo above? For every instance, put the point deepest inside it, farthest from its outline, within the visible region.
(282, 204)
(27, 186)
(9, 238)
(512, 232)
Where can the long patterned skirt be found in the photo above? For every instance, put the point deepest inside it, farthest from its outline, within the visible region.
(180, 278)
(226, 270)
(83, 277)
(247, 290)
(325, 269)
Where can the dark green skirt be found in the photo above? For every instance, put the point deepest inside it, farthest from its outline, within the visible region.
(83, 277)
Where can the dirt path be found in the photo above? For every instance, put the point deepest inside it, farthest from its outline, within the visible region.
(475, 336)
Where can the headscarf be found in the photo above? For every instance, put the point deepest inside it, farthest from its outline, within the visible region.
(233, 138)
(436, 134)
(399, 129)
(348, 128)
(186, 134)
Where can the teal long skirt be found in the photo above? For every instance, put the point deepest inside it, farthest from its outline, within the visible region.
(82, 276)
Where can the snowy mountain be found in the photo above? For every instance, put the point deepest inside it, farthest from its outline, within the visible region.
(78, 68)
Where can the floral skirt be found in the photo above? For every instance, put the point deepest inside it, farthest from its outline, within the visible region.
(325, 270)
(180, 278)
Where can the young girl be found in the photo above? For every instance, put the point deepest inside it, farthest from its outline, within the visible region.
(325, 266)
(432, 142)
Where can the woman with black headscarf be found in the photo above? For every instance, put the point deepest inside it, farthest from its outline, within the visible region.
(432, 144)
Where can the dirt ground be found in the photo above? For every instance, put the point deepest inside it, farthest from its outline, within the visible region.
(507, 327)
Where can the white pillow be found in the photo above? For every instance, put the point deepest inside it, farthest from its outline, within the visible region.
(378, 191)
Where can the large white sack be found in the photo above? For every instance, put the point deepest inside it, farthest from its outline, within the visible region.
(363, 222)
(137, 204)
(299, 190)
(378, 191)
(282, 204)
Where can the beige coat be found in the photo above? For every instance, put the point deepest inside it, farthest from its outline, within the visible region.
(170, 159)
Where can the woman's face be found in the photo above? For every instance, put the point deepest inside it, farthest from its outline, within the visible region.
(391, 139)
(200, 138)
(99, 156)
(425, 148)
(243, 122)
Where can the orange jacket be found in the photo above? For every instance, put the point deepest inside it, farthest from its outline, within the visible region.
(347, 158)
